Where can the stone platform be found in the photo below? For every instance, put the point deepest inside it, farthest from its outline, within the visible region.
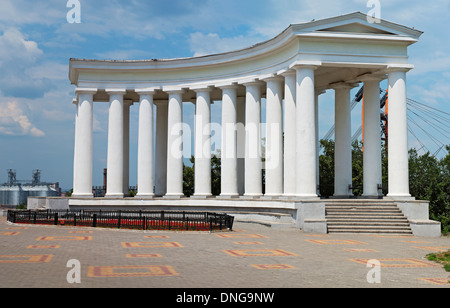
(309, 215)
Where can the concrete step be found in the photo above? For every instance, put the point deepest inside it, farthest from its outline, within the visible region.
(368, 223)
(368, 208)
(361, 213)
(367, 220)
(366, 217)
(371, 231)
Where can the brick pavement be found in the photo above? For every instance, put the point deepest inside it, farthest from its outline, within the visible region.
(252, 256)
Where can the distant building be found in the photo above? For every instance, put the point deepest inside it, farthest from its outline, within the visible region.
(15, 192)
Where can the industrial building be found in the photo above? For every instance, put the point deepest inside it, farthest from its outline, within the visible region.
(15, 192)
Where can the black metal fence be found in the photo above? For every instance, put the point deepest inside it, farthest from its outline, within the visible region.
(139, 220)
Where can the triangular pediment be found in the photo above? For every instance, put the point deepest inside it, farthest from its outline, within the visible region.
(357, 28)
(357, 23)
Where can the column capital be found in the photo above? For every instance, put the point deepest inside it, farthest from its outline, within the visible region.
(198, 89)
(286, 72)
(371, 77)
(320, 91)
(399, 68)
(251, 82)
(343, 85)
(92, 91)
(147, 91)
(174, 90)
(305, 64)
(229, 85)
(116, 91)
(271, 77)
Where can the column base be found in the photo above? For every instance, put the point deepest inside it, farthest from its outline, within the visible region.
(82, 196)
(406, 197)
(370, 197)
(145, 196)
(201, 196)
(173, 196)
(250, 197)
(308, 197)
(114, 196)
(228, 196)
(287, 197)
(270, 197)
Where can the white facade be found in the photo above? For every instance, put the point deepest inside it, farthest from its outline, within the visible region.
(290, 71)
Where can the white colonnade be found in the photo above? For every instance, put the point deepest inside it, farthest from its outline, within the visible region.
(291, 150)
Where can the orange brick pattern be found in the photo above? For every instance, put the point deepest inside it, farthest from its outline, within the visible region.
(131, 271)
(143, 255)
(9, 233)
(273, 266)
(399, 262)
(258, 253)
(241, 235)
(151, 245)
(25, 258)
(64, 238)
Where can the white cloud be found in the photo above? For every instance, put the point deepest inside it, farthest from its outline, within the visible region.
(15, 50)
(14, 122)
(17, 55)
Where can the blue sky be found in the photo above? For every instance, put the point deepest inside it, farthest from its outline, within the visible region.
(36, 43)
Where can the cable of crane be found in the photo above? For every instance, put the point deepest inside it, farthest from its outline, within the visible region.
(428, 134)
(437, 117)
(440, 130)
(418, 140)
(428, 106)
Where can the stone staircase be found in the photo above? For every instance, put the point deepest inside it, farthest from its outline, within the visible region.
(365, 216)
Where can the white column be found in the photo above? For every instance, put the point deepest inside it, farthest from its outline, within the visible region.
(83, 154)
(145, 172)
(343, 141)
(372, 137)
(306, 172)
(229, 158)
(240, 117)
(398, 135)
(175, 145)
(318, 93)
(289, 133)
(162, 108)
(274, 137)
(126, 146)
(253, 164)
(115, 162)
(202, 176)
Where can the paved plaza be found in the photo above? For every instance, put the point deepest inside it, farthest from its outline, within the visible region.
(252, 256)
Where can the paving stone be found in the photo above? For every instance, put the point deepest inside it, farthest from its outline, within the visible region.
(264, 258)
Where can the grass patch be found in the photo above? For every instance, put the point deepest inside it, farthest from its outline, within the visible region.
(442, 258)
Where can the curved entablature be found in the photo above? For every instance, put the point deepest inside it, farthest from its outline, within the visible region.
(344, 48)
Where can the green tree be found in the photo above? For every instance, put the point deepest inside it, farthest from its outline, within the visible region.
(357, 168)
(215, 174)
(430, 180)
(189, 176)
(326, 168)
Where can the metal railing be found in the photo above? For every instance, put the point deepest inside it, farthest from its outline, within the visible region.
(139, 220)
